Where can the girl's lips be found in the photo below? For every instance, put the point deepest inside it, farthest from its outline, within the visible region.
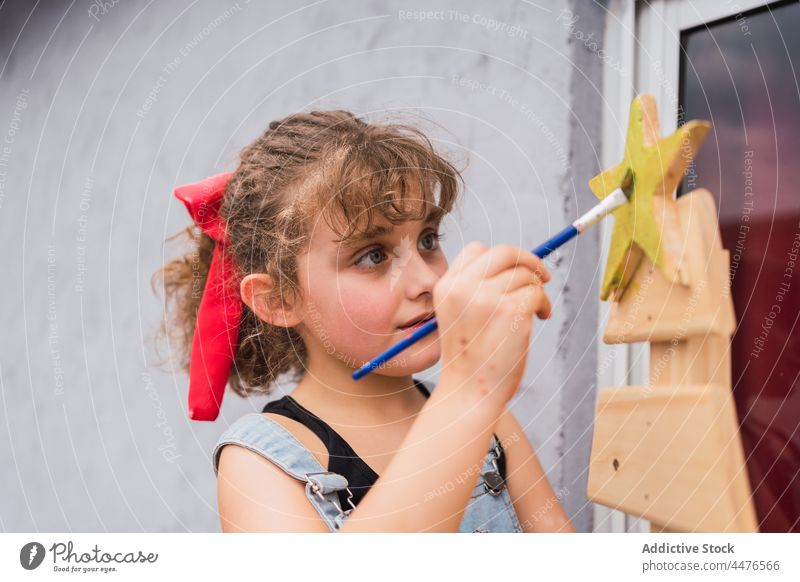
(412, 328)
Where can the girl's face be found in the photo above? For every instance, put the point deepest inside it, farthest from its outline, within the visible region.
(360, 294)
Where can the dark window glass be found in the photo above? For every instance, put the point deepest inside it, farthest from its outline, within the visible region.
(742, 73)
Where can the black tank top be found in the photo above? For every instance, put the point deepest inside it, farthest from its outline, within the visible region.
(342, 459)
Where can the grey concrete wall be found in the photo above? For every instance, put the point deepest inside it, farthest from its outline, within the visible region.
(104, 108)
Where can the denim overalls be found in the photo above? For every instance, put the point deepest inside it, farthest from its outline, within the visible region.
(486, 512)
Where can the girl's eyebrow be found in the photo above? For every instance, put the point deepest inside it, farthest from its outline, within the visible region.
(380, 230)
(362, 237)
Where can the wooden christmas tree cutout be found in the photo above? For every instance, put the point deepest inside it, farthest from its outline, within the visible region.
(670, 451)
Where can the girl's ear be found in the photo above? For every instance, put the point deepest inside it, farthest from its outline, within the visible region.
(260, 294)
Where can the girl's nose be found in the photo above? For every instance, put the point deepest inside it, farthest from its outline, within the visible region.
(417, 276)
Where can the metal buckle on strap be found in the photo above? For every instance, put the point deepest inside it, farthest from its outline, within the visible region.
(315, 488)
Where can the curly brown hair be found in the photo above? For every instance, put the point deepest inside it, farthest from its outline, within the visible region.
(318, 162)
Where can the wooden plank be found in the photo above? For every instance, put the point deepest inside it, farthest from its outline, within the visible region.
(671, 454)
(691, 361)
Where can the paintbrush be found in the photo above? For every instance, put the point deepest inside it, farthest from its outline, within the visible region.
(607, 205)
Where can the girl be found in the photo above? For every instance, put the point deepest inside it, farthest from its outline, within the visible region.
(318, 252)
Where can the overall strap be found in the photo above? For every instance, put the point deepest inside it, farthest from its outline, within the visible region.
(268, 438)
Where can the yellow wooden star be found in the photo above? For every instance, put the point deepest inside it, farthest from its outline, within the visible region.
(648, 224)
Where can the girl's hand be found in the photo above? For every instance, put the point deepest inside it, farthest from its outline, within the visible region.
(484, 305)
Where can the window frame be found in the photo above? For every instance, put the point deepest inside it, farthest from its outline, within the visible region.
(643, 42)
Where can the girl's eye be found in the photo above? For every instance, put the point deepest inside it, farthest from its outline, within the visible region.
(374, 257)
(435, 237)
(375, 254)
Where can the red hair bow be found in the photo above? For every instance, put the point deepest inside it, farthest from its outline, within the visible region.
(216, 332)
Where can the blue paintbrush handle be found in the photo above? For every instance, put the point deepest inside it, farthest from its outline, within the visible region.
(556, 241)
(396, 349)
